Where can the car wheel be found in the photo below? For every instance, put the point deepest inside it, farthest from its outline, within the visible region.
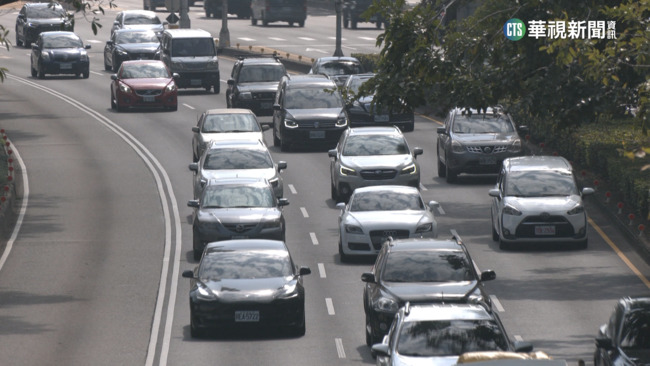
(217, 88)
(284, 146)
(18, 43)
(115, 65)
(276, 140)
(34, 72)
(301, 23)
(495, 234)
(173, 108)
(208, 88)
(353, 24)
(107, 67)
(409, 127)
(450, 174)
(378, 25)
(27, 43)
(442, 169)
(291, 24)
(503, 245)
(265, 22)
(344, 257)
(113, 105)
(86, 74)
(301, 329)
(41, 72)
(346, 21)
(197, 245)
(195, 332)
(333, 193)
(583, 244)
(253, 20)
(207, 13)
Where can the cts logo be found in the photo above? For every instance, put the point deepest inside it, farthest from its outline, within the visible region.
(514, 29)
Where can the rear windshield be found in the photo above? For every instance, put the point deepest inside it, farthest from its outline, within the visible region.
(193, 47)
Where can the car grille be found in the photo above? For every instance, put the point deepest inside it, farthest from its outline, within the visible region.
(66, 57)
(240, 228)
(148, 92)
(563, 229)
(274, 311)
(378, 174)
(316, 124)
(264, 95)
(141, 56)
(487, 149)
(378, 237)
(49, 27)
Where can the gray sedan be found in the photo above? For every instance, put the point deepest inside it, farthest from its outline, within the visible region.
(378, 212)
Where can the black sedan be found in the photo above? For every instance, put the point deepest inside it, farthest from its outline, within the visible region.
(625, 339)
(59, 53)
(38, 17)
(247, 283)
(129, 44)
(236, 208)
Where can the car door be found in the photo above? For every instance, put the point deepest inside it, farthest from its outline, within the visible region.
(108, 50)
(497, 202)
(335, 163)
(232, 84)
(444, 139)
(21, 20)
(37, 48)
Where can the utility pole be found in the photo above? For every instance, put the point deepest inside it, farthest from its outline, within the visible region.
(338, 4)
(185, 19)
(224, 34)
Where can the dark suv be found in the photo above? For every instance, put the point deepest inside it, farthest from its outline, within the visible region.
(476, 141)
(353, 13)
(240, 7)
(35, 18)
(253, 83)
(308, 110)
(419, 271)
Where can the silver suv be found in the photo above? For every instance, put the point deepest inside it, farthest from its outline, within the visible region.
(369, 156)
(476, 142)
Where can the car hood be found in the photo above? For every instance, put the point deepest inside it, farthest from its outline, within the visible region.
(267, 173)
(65, 54)
(430, 291)
(258, 87)
(238, 215)
(377, 161)
(258, 290)
(541, 204)
(402, 360)
(475, 138)
(139, 47)
(39, 21)
(148, 83)
(230, 136)
(386, 219)
(315, 114)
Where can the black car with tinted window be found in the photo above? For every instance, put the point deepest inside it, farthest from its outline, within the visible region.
(35, 18)
(129, 44)
(59, 53)
(308, 111)
(253, 83)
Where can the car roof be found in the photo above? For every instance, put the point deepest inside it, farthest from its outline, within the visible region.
(58, 33)
(42, 5)
(128, 62)
(187, 33)
(404, 245)
(636, 302)
(131, 30)
(260, 60)
(374, 130)
(537, 162)
(246, 244)
(392, 188)
(337, 58)
(487, 110)
(138, 11)
(434, 312)
(229, 111)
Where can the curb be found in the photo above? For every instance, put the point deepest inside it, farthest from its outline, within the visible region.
(8, 194)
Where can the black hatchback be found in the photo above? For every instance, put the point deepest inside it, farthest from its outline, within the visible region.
(35, 18)
(59, 53)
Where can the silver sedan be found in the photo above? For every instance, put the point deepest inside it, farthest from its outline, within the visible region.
(377, 212)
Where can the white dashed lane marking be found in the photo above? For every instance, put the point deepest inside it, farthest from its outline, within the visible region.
(304, 212)
(188, 106)
(314, 239)
(339, 347)
(292, 189)
(330, 306)
(321, 270)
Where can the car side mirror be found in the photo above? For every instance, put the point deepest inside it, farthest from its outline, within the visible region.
(381, 349)
(488, 275)
(332, 153)
(266, 126)
(194, 167)
(494, 192)
(340, 205)
(303, 271)
(231, 82)
(604, 343)
(417, 151)
(441, 131)
(277, 107)
(87, 47)
(368, 277)
(188, 273)
(523, 129)
(109, 43)
(587, 191)
(195, 129)
(193, 203)
(523, 346)
(283, 201)
(176, 76)
(113, 76)
(34, 46)
(433, 205)
(282, 165)
(116, 22)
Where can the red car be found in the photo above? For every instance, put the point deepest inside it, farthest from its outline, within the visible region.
(144, 83)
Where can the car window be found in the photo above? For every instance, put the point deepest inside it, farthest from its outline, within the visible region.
(233, 158)
(482, 123)
(261, 73)
(355, 84)
(140, 19)
(368, 145)
(339, 68)
(385, 201)
(187, 47)
(427, 266)
(237, 196)
(240, 264)
(136, 37)
(46, 12)
(635, 333)
(449, 337)
(230, 123)
(62, 41)
(540, 184)
(311, 98)
(144, 71)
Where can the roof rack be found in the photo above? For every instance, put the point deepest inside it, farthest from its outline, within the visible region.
(258, 55)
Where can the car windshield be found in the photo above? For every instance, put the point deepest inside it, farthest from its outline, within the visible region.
(261, 73)
(369, 145)
(237, 158)
(339, 68)
(312, 98)
(230, 123)
(144, 71)
(385, 201)
(136, 37)
(482, 123)
(46, 12)
(62, 41)
(440, 338)
(228, 264)
(355, 84)
(427, 266)
(140, 19)
(540, 183)
(237, 197)
(193, 47)
(635, 333)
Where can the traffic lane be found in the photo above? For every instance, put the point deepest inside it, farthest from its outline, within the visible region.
(77, 285)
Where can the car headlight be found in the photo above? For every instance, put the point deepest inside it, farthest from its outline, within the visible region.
(411, 169)
(274, 181)
(170, 87)
(457, 147)
(272, 224)
(477, 297)
(515, 147)
(178, 66)
(424, 228)
(125, 88)
(214, 64)
(347, 171)
(205, 294)
(576, 210)
(290, 123)
(245, 95)
(353, 229)
(289, 290)
(511, 210)
(83, 57)
(341, 120)
(121, 52)
(386, 304)
(45, 56)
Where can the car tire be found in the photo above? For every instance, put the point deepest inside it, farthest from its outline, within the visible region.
(41, 72)
(291, 24)
(207, 13)
(107, 67)
(173, 108)
(253, 20)
(442, 169)
(217, 88)
(18, 43)
(583, 244)
(113, 104)
(378, 25)
(284, 146)
(344, 257)
(503, 245)
(333, 193)
(85, 74)
(495, 233)
(301, 329)
(33, 70)
(196, 243)
(301, 23)
(265, 22)
(409, 127)
(450, 174)
(353, 24)
(114, 64)
(195, 332)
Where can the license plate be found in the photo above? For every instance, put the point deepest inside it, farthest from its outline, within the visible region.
(487, 160)
(545, 230)
(266, 105)
(381, 118)
(195, 82)
(149, 98)
(65, 66)
(316, 134)
(240, 237)
(247, 316)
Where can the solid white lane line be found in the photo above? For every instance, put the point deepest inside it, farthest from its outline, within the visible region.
(304, 212)
(314, 239)
(321, 270)
(339, 347)
(292, 189)
(97, 73)
(497, 304)
(23, 206)
(330, 306)
(188, 106)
